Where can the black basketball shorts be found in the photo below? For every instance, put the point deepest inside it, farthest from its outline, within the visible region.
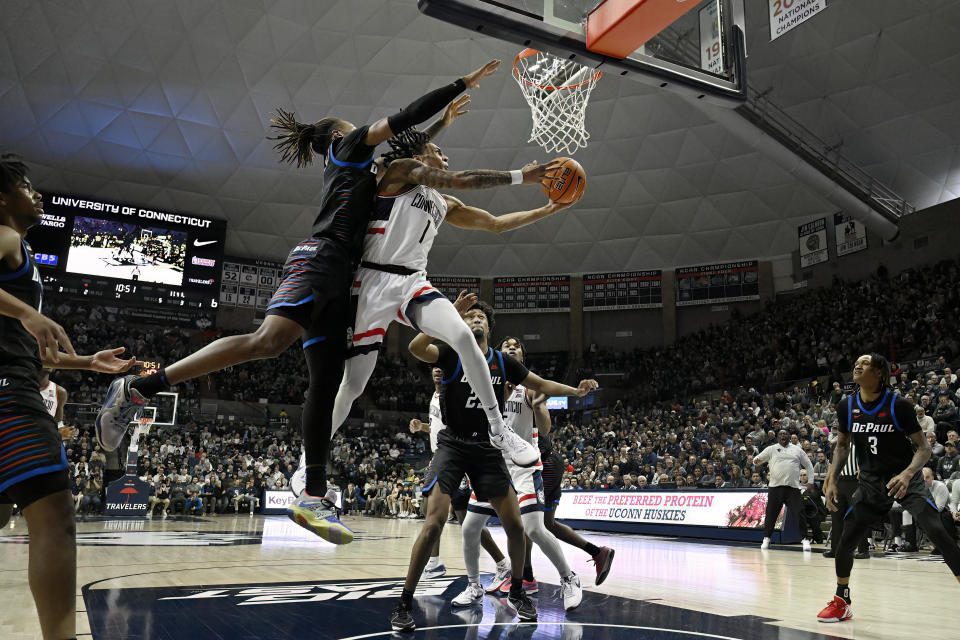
(871, 494)
(314, 291)
(33, 463)
(481, 462)
(552, 479)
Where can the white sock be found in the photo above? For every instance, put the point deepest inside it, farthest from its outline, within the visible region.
(433, 562)
(504, 564)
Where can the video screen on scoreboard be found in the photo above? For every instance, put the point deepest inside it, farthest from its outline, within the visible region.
(127, 251)
(557, 402)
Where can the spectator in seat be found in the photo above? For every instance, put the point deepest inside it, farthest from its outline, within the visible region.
(948, 463)
(756, 481)
(926, 422)
(194, 505)
(248, 495)
(91, 495)
(161, 496)
(178, 496)
(77, 491)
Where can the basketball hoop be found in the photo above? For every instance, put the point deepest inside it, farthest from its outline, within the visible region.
(557, 91)
(145, 424)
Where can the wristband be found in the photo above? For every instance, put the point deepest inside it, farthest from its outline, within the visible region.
(60, 425)
(516, 177)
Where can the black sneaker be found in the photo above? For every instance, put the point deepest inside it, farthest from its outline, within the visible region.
(829, 553)
(862, 555)
(521, 602)
(401, 619)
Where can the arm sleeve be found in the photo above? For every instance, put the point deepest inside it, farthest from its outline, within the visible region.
(352, 148)
(905, 416)
(425, 107)
(514, 370)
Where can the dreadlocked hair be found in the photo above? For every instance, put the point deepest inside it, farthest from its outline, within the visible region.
(406, 144)
(879, 362)
(300, 141)
(12, 172)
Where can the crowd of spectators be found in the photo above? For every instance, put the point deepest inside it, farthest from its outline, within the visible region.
(674, 426)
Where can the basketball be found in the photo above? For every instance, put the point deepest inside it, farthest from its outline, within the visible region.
(570, 184)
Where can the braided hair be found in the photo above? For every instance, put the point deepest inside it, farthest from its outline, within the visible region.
(300, 141)
(12, 172)
(406, 144)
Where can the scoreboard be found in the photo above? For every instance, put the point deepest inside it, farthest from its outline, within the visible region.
(451, 286)
(715, 283)
(249, 283)
(623, 290)
(521, 294)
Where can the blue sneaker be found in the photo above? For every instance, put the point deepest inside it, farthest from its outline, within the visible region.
(122, 406)
(321, 517)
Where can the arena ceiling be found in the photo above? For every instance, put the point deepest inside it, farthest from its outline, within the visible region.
(166, 104)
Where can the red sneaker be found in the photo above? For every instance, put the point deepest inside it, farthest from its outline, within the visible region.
(530, 586)
(603, 561)
(837, 611)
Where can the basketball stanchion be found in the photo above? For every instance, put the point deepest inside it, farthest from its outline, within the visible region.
(129, 495)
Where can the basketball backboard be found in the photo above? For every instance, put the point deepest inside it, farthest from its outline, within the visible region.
(702, 54)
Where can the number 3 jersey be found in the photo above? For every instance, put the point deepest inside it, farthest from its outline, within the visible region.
(461, 409)
(880, 431)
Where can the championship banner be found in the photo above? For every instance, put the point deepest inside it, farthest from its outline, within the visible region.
(623, 290)
(451, 286)
(851, 235)
(716, 283)
(725, 509)
(813, 242)
(711, 39)
(787, 14)
(524, 294)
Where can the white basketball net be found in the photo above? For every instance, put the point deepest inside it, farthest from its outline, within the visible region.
(557, 91)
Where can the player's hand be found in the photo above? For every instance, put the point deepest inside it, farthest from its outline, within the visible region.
(586, 386)
(831, 493)
(415, 425)
(51, 337)
(456, 109)
(67, 433)
(464, 301)
(106, 361)
(898, 485)
(534, 173)
(473, 80)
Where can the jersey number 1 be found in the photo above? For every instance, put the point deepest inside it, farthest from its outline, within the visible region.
(873, 444)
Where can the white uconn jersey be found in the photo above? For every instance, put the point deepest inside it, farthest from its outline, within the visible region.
(436, 421)
(49, 395)
(518, 415)
(403, 227)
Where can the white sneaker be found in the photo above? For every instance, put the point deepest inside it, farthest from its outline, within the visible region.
(765, 544)
(501, 578)
(572, 591)
(436, 571)
(473, 593)
(807, 545)
(521, 452)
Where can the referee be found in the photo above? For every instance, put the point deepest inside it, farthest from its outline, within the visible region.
(846, 484)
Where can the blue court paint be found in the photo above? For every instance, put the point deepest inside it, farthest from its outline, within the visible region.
(360, 609)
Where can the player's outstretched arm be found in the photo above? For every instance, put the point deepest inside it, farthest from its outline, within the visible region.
(105, 361)
(410, 171)
(423, 108)
(466, 217)
(552, 388)
(453, 111)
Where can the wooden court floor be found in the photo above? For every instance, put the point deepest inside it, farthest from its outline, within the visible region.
(263, 577)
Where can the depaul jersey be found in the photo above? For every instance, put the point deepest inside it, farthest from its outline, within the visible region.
(49, 396)
(349, 191)
(436, 421)
(403, 227)
(19, 354)
(518, 415)
(461, 409)
(880, 431)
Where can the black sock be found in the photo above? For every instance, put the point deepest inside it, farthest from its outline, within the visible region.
(592, 549)
(406, 597)
(152, 384)
(516, 586)
(528, 573)
(843, 591)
